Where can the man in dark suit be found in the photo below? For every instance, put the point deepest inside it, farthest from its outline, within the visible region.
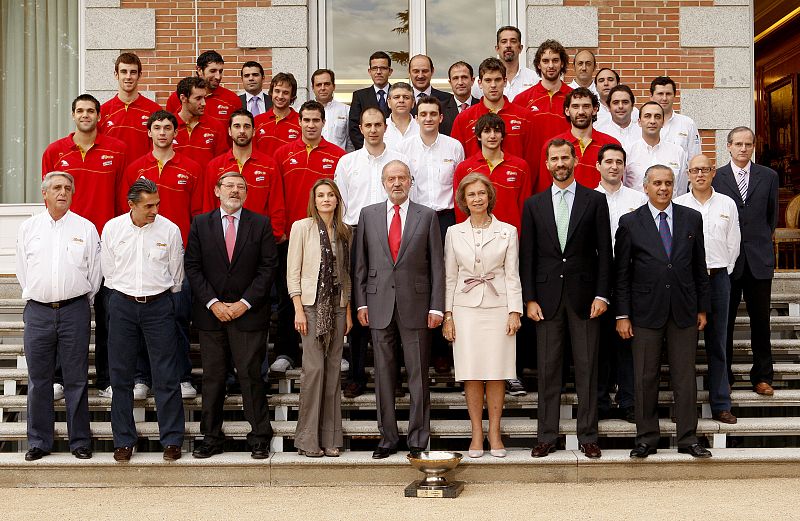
(461, 77)
(565, 267)
(231, 261)
(376, 95)
(662, 292)
(399, 279)
(754, 188)
(254, 98)
(420, 70)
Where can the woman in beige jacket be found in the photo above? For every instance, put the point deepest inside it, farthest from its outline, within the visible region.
(483, 304)
(318, 280)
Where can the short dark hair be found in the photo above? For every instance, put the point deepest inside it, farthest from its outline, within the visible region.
(323, 71)
(461, 64)
(208, 57)
(312, 105)
(128, 58)
(662, 81)
(241, 112)
(430, 100)
(284, 77)
(251, 63)
(161, 115)
(491, 65)
(86, 97)
(380, 55)
(622, 88)
(430, 61)
(651, 103)
(556, 47)
(140, 186)
(611, 147)
(509, 28)
(559, 142)
(188, 83)
(616, 74)
(581, 92)
(490, 121)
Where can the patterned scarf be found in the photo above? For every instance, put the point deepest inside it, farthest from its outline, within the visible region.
(327, 289)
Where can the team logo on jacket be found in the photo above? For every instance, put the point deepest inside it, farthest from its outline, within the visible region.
(511, 176)
(208, 134)
(106, 157)
(326, 160)
(107, 163)
(182, 176)
(260, 175)
(515, 124)
(64, 163)
(222, 109)
(109, 123)
(292, 134)
(261, 131)
(293, 161)
(534, 108)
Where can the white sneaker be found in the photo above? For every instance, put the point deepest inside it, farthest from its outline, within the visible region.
(140, 391)
(281, 365)
(58, 392)
(188, 390)
(105, 393)
(345, 365)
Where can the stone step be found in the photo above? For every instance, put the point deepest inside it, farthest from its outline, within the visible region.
(359, 469)
(439, 400)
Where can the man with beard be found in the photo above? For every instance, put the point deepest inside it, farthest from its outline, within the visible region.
(509, 48)
(220, 102)
(565, 268)
(580, 109)
(280, 124)
(200, 138)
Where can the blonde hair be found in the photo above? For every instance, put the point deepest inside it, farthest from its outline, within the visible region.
(461, 199)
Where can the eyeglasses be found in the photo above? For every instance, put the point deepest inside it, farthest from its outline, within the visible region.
(231, 186)
(705, 170)
(378, 68)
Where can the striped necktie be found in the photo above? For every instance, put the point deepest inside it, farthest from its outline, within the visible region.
(742, 183)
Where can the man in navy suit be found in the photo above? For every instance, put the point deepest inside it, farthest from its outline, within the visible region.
(461, 77)
(754, 188)
(420, 70)
(376, 95)
(254, 98)
(662, 292)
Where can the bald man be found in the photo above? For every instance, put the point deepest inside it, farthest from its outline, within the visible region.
(722, 240)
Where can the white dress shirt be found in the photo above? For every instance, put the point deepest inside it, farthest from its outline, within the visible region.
(655, 212)
(58, 260)
(385, 93)
(720, 228)
(335, 130)
(574, 85)
(604, 120)
(682, 131)
(524, 80)
(432, 168)
(358, 176)
(626, 136)
(142, 261)
(624, 200)
(394, 136)
(417, 92)
(642, 156)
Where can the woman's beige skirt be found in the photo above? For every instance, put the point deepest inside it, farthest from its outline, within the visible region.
(482, 350)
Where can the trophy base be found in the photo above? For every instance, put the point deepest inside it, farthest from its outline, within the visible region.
(451, 490)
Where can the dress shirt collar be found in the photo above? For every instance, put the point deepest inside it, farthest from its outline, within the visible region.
(602, 189)
(249, 96)
(556, 190)
(370, 157)
(237, 215)
(385, 90)
(736, 169)
(710, 199)
(52, 222)
(403, 206)
(655, 211)
(133, 225)
(424, 146)
(417, 92)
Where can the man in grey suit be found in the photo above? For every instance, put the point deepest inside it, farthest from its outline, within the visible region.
(399, 281)
(754, 189)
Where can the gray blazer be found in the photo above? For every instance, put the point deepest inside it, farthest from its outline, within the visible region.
(415, 283)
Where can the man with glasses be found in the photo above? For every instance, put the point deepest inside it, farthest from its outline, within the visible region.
(722, 238)
(376, 95)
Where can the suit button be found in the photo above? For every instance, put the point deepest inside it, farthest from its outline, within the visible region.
(667, 286)
(669, 266)
(393, 286)
(478, 261)
(563, 260)
(561, 276)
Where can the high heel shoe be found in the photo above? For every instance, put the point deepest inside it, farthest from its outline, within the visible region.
(498, 453)
(475, 453)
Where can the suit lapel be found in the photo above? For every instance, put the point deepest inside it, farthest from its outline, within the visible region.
(491, 233)
(549, 217)
(578, 208)
(678, 232)
(413, 218)
(245, 223)
(754, 180)
(383, 230)
(730, 178)
(218, 234)
(651, 230)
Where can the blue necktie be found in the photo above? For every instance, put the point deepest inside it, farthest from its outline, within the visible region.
(666, 236)
(382, 101)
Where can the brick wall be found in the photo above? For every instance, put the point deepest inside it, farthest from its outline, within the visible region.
(175, 55)
(640, 40)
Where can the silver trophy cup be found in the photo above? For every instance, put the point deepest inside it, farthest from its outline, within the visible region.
(435, 464)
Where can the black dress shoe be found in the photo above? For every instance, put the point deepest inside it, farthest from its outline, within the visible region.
(416, 452)
(35, 453)
(383, 452)
(82, 453)
(206, 450)
(260, 450)
(695, 450)
(643, 450)
(629, 414)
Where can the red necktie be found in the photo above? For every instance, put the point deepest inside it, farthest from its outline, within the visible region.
(395, 233)
(230, 237)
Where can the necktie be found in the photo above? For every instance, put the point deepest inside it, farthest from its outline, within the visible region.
(255, 106)
(382, 101)
(395, 233)
(562, 220)
(420, 95)
(743, 184)
(462, 107)
(230, 237)
(666, 236)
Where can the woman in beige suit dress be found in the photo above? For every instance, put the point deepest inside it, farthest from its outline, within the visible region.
(318, 280)
(482, 307)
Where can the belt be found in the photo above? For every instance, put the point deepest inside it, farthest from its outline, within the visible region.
(146, 299)
(446, 210)
(60, 303)
(714, 271)
(474, 281)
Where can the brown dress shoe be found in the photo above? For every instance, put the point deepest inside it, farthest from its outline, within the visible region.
(353, 390)
(592, 450)
(724, 417)
(441, 365)
(764, 388)
(542, 449)
(123, 453)
(172, 452)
